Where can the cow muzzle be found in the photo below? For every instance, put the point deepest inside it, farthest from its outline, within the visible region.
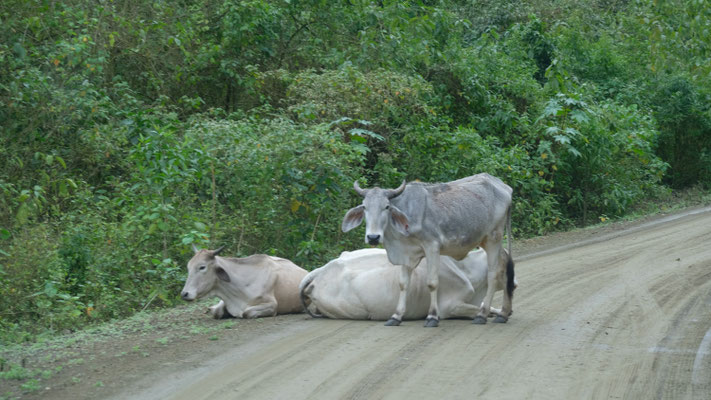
(373, 240)
(187, 296)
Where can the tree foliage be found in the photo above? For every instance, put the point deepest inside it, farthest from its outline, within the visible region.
(130, 130)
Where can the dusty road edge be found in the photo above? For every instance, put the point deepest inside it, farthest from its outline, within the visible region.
(625, 230)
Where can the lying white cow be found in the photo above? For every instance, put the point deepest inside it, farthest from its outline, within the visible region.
(250, 287)
(363, 284)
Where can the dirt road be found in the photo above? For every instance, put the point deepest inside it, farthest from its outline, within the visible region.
(627, 315)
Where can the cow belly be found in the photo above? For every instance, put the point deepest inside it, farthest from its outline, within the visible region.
(379, 299)
(367, 291)
(286, 291)
(457, 252)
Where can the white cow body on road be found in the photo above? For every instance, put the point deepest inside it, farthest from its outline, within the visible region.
(250, 287)
(363, 284)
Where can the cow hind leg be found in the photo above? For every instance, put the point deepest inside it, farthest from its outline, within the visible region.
(260, 310)
(507, 308)
(463, 310)
(493, 254)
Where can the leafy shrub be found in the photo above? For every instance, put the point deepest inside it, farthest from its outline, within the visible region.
(387, 99)
(492, 87)
(280, 185)
(685, 126)
(599, 156)
(540, 47)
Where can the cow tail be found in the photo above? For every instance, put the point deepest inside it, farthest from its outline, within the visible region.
(509, 235)
(305, 283)
(510, 283)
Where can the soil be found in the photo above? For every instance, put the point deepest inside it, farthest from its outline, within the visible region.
(615, 311)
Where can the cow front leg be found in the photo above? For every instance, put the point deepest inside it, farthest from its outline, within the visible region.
(433, 261)
(218, 311)
(260, 310)
(404, 281)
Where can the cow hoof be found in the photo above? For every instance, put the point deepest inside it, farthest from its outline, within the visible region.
(431, 323)
(500, 319)
(479, 320)
(393, 322)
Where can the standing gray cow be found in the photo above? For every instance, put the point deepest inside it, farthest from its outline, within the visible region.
(250, 287)
(420, 220)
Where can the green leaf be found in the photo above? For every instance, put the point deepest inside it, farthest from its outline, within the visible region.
(579, 116)
(62, 188)
(562, 139)
(572, 131)
(341, 121)
(552, 109)
(64, 296)
(19, 50)
(552, 130)
(5, 234)
(365, 132)
(49, 289)
(60, 160)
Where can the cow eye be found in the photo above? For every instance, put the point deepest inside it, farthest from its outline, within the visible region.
(387, 207)
(203, 267)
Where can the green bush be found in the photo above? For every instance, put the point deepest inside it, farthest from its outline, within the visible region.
(281, 185)
(387, 99)
(599, 157)
(684, 142)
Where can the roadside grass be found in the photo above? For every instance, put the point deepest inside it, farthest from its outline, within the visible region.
(670, 201)
(25, 368)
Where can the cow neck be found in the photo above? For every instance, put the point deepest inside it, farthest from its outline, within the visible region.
(233, 293)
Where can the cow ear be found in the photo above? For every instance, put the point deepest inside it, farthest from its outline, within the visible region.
(353, 218)
(222, 274)
(399, 220)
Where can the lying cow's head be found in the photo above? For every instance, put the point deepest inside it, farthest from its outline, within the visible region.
(203, 273)
(378, 213)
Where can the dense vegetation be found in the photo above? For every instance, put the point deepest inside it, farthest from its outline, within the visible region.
(130, 129)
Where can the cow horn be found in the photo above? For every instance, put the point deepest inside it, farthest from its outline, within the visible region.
(195, 249)
(216, 252)
(396, 192)
(358, 190)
